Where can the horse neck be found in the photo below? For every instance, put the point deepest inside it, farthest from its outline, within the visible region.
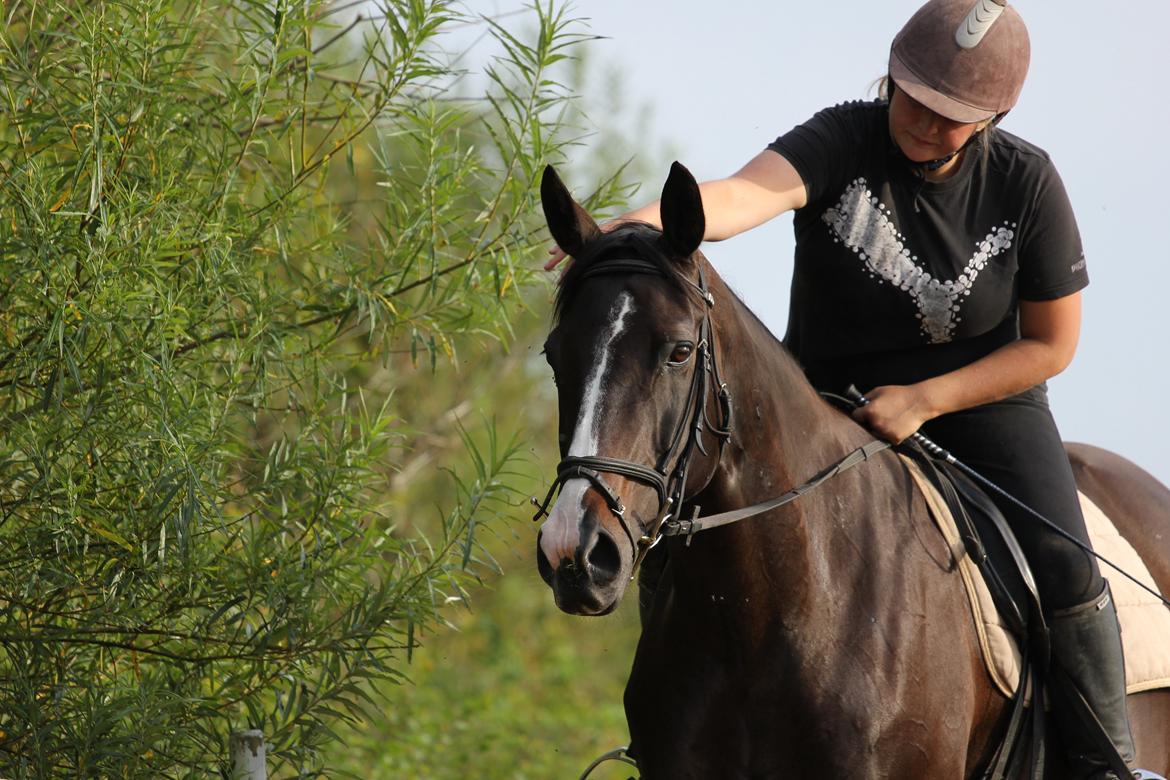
(780, 420)
(783, 434)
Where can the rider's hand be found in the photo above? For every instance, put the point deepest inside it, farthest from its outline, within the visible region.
(556, 256)
(894, 412)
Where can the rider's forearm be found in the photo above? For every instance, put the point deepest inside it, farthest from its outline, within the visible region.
(730, 207)
(1009, 370)
(650, 214)
(1049, 332)
(736, 205)
(764, 188)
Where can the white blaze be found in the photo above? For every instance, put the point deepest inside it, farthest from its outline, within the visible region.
(561, 532)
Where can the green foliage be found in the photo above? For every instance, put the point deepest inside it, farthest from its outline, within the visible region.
(231, 235)
(521, 691)
(518, 689)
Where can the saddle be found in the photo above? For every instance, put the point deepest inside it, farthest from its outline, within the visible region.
(1006, 609)
(1145, 622)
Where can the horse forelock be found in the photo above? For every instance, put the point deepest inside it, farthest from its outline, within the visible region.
(629, 241)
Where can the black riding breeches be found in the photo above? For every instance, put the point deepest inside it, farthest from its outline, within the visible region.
(1015, 444)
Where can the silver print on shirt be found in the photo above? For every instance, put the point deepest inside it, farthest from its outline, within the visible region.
(859, 221)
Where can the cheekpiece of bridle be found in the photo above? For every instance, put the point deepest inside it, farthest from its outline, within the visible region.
(668, 482)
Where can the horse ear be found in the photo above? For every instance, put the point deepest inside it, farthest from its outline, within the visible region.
(570, 225)
(683, 224)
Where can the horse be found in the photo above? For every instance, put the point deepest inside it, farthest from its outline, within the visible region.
(826, 637)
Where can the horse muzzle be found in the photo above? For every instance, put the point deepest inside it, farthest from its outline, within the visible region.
(589, 577)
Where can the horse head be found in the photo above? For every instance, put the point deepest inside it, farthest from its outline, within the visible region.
(631, 357)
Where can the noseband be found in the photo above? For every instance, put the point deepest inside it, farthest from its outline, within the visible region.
(668, 484)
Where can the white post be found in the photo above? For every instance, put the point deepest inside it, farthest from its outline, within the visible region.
(248, 755)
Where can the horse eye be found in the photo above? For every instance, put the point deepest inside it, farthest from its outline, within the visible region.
(682, 352)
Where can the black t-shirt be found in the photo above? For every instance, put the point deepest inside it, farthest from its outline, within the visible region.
(897, 279)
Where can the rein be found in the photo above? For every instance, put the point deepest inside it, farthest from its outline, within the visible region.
(690, 527)
(670, 485)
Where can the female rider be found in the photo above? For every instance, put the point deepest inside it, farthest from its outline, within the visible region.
(939, 267)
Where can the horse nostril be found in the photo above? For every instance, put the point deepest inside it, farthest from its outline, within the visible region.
(604, 559)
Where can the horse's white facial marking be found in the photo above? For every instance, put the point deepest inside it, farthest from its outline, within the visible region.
(561, 532)
(585, 435)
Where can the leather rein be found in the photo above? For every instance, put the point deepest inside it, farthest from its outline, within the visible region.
(669, 483)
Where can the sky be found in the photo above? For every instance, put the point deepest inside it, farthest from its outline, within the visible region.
(721, 80)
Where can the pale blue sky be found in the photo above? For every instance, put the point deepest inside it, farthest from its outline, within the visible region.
(724, 79)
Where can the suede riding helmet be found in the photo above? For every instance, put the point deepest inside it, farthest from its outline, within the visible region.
(963, 59)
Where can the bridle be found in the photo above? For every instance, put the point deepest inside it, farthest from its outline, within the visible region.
(669, 483)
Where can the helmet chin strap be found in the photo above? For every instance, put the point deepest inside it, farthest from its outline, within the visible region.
(929, 166)
(933, 165)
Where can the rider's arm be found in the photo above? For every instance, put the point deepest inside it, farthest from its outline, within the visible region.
(764, 188)
(1049, 331)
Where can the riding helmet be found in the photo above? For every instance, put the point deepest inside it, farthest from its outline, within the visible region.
(963, 59)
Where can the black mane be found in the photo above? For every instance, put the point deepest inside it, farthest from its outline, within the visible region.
(630, 240)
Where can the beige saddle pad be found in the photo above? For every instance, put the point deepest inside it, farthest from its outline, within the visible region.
(1145, 622)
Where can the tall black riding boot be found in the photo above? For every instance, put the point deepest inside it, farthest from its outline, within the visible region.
(1086, 644)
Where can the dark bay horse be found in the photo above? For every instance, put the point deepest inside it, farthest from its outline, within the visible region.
(826, 638)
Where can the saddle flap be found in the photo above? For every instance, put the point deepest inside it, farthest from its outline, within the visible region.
(1001, 651)
(1145, 622)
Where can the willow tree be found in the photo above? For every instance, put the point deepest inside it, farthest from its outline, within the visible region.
(222, 228)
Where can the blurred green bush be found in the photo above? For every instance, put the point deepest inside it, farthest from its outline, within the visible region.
(246, 249)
